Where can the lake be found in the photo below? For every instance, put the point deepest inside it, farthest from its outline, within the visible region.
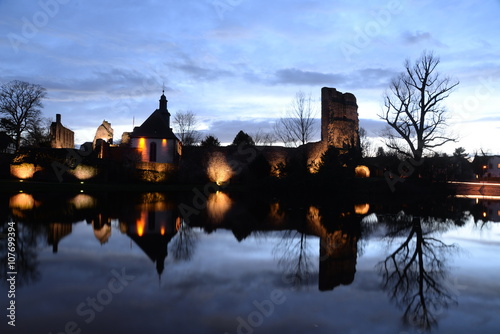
(212, 262)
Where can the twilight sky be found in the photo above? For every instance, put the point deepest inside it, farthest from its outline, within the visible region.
(238, 63)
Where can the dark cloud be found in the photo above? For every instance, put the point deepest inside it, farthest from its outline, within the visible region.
(202, 73)
(294, 76)
(417, 37)
(364, 78)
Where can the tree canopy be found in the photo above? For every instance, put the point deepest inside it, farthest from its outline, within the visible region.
(20, 107)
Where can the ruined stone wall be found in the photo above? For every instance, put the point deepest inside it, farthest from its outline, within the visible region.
(339, 119)
(61, 137)
(104, 132)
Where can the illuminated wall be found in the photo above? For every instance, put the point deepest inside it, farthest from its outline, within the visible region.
(166, 149)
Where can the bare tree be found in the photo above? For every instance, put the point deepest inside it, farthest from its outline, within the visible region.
(296, 127)
(365, 143)
(38, 132)
(264, 138)
(416, 119)
(185, 123)
(20, 103)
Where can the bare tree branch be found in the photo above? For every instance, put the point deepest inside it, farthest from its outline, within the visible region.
(20, 103)
(296, 127)
(412, 108)
(185, 123)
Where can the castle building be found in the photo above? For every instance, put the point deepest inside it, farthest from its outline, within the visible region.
(60, 136)
(154, 139)
(339, 119)
(104, 132)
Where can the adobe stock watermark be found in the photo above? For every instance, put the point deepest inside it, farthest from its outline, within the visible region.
(363, 36)
(483, 92)
(72, 160)
(31, 26)
(222, 6)
(88, 308)
(263, 310)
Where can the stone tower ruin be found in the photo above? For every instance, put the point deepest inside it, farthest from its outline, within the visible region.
(339, 119)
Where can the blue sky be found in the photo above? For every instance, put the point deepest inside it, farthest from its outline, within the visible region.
(238, 63)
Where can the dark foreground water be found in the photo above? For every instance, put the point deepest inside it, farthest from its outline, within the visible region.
(169, 263)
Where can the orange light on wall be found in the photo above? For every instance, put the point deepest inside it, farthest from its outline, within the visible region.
(162, 230)
(142, 143)
(164, 142)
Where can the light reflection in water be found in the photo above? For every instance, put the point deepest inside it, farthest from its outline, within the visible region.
(361, 209)
(83, 201)
(22, 201)
(218, 204)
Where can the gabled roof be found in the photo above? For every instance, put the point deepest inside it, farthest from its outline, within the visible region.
(156, 126)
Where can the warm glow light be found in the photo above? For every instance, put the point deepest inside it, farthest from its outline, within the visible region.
(362, 171)
(218, 204)
(164, 142)
(361, 209)
(276, 214)
(142, 143)
(84, 172)
(313, 216)
(141, 224)
(484, 167)
(83, 201)
(484, 214)
(22, 202)
(219, 171)
(162, 230)
(22, 171)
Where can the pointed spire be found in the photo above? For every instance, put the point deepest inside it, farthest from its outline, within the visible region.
(163, 102)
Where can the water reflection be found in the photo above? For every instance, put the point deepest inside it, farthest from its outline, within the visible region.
(415, 273)
(319, 243)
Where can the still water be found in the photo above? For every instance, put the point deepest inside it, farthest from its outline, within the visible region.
(177, 263)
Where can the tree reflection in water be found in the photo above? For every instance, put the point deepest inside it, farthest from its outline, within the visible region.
(414, 274)
(294, 257)
(184, 242)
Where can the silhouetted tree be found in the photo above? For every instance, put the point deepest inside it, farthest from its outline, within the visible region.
(365, 144)
(415, 271)
(416, 119)
(243, 138)
(264, 138)
(296, 127)
(20, 104)
(185, 123)
(38, 133)
(210, 141)
(460, 153)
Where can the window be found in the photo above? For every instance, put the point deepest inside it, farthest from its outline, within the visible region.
(152, 152)
(498, 166)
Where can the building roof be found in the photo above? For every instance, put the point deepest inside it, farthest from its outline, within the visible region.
(157, 125)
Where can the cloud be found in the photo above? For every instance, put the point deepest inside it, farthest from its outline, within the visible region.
(364, 78)
(294, 76)
(419, 37)
(373, 127)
